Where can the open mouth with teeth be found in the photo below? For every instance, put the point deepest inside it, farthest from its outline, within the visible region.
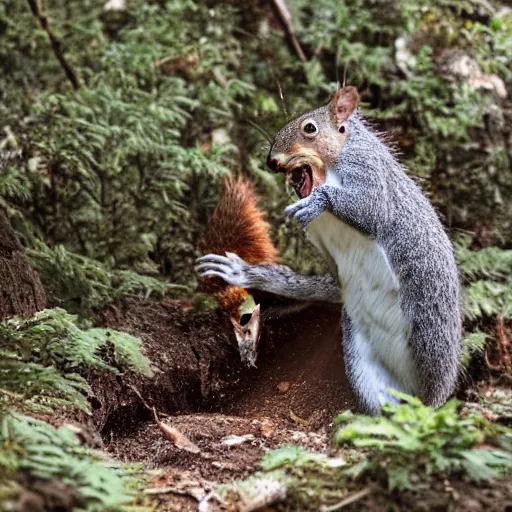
(301, 179)
(304, 171)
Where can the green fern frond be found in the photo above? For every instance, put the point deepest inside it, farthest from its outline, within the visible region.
(81, 284)
(43, 357)
(34, 449)
(489, 263)
(40, 388)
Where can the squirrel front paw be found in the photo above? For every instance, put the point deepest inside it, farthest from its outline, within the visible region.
(308, 209)
(231, 268)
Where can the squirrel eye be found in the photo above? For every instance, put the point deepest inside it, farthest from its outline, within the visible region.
(309, 128)
(342, 129)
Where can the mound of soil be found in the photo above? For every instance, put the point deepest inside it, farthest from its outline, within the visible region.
(197, 367)
(300, 370)
(193, 358)
(201, 389)
(232, 415)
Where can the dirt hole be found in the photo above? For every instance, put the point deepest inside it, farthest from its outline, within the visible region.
(201, 388)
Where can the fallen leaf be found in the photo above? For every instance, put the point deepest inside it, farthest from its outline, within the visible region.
(179, 440)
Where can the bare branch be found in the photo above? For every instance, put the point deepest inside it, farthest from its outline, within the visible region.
(71, 74)
(284, 16)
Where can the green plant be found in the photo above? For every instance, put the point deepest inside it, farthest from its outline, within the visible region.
(488, 277)
(35, 387)
(408, 447)
(80, 284)
(44, 359)
(411, 443)
(34, 454)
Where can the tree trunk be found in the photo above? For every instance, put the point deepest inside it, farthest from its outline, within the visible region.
(21, 290)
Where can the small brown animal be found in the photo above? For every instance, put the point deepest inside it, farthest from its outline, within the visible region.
(238, 226)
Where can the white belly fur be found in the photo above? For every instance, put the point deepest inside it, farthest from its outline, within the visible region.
(370, 292)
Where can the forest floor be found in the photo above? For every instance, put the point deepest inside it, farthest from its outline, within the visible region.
(229, 415)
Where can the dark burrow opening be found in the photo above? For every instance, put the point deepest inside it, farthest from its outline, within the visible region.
(201, 387)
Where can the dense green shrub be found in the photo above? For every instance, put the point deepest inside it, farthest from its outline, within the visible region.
(44, 360)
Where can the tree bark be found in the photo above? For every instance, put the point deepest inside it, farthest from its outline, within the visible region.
(21, 290)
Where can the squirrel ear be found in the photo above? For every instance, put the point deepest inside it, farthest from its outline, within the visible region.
(344, 103)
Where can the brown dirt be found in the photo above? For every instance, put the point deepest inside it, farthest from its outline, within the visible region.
(300, 369)
(300, 366)
(200, 384)
(216, 461)
(201, 389)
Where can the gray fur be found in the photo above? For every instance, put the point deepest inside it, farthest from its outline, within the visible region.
(277, 279)
(375, 196)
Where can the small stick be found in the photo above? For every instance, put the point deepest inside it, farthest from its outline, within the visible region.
(283, 13)
(71, 74)
(352, 498)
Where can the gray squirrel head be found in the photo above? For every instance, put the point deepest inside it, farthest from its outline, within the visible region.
(310, 144)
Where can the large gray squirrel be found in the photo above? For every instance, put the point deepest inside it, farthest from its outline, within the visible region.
(392, 264)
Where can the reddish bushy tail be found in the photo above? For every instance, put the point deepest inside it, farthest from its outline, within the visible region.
(237, 225)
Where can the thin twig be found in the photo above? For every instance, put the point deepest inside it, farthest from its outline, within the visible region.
(283, 13)
(145, 404)
(71, 74)
(352, 498)
(166, 490)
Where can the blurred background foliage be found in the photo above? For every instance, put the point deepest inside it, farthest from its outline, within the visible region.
(121, 170)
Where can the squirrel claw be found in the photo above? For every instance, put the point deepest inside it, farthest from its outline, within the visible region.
(205, 267)
(292, 209)
(211, 258)
(231, 268)
(308, 209)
